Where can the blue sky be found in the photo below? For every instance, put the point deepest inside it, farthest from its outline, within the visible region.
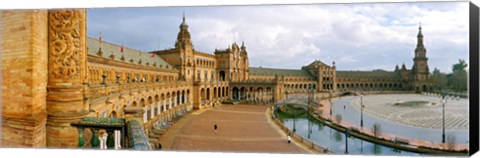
(355, 36)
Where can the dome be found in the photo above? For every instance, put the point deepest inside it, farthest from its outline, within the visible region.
(183, 24)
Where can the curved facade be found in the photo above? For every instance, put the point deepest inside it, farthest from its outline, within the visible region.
(63, 76)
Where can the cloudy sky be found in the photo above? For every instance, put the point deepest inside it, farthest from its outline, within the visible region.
(355, 36)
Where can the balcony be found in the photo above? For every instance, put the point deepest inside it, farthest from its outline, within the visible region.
(101, 90)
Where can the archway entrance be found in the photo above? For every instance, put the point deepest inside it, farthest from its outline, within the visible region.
(235, 93)
(222, 75)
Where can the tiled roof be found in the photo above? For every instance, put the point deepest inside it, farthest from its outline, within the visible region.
(373, 74)
(128, 53)
(317, 62)
(280, 72)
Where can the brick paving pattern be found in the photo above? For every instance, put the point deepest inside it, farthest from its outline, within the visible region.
(456, 111)
(241, 128)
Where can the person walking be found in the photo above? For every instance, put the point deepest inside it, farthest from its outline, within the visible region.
(289, 139)
(215, 128)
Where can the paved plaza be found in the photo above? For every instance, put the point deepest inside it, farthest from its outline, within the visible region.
(425, 116)
(241, 128)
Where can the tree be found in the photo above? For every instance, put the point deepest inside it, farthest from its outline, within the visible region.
(457, 81)
(338, 118)
(376, 128)
(451, 140)
(439, 80)
(460, 66)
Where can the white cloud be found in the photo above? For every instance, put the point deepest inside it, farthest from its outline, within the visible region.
(366, 36)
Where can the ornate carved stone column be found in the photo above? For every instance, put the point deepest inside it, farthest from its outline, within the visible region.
(66, 75)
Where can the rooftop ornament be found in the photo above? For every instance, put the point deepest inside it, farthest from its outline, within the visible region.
(104, 76)
(118, 78)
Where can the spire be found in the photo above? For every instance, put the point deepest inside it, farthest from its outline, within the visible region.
(184, 23)
(396, 67)
(403, 66)
(243, 45)
(420, 36)
(420, 30)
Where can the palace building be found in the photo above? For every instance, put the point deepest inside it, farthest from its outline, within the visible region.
(56, 79)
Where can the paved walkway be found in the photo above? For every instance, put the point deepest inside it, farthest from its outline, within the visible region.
(241, 128)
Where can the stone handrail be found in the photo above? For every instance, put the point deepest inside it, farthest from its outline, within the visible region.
(137, 139)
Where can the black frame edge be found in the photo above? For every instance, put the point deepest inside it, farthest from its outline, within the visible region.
(473, 78)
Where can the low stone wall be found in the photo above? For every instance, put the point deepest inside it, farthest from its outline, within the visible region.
(297, 137)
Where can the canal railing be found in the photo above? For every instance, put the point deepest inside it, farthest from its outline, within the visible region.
(297, 137)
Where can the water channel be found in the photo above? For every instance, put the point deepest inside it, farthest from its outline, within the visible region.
(334, 140)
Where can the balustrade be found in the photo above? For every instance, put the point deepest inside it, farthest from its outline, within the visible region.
(103, 133)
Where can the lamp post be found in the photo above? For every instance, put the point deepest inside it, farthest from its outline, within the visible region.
(361, 110)
(346, 141)
(330, 100)
(444, 100)
(311, 95)
(294, 120)
(309, 128)
(310, 100)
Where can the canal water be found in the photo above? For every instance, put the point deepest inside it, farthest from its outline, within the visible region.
(327, 137)
(352, 115)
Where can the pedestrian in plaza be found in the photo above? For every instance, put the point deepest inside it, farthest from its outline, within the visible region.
(289, 139)
(215, 128)
(159, 146)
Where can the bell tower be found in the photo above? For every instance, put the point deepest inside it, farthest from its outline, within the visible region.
(420, 69)
(183, 38)
(185, 47)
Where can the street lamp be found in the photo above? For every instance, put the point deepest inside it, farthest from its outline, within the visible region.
(309, 128)
(361, 110)
(294, 120)
(444, 100)
(311, 95)
(346, 141)
(330, 100)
